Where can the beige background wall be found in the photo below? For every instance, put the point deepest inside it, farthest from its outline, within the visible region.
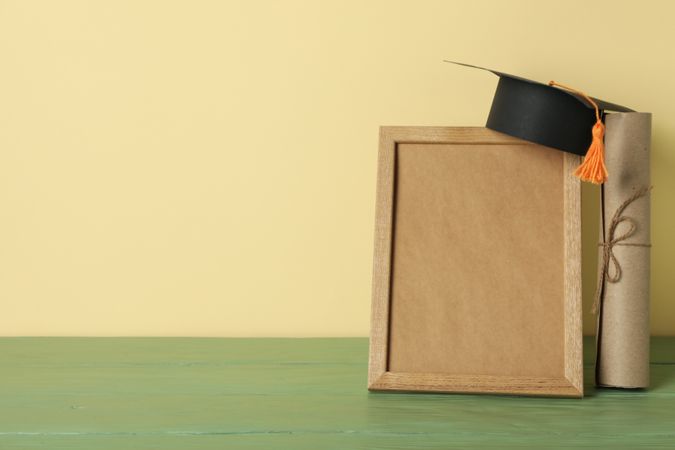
(208, 167)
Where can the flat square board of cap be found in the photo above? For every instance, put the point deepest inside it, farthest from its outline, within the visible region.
(477, 265)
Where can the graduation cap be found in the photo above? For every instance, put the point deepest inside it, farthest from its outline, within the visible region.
(560, 117)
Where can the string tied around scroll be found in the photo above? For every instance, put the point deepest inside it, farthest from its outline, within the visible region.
(608, 256)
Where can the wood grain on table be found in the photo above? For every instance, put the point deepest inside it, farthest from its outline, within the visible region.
(201, 393)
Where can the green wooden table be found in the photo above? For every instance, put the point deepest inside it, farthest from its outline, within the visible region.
(193, 393)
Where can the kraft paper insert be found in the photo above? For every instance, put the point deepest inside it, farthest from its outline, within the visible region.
(467, 295)
(623, 290)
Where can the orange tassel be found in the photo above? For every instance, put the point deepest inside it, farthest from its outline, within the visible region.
(592, 169)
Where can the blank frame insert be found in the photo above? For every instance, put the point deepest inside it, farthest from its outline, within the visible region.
(476, 284)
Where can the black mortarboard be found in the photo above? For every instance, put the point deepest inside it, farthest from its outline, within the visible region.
(544, 114)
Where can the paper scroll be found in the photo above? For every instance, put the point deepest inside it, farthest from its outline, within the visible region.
(623, 297)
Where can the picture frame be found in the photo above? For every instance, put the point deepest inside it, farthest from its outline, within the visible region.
(477, 265)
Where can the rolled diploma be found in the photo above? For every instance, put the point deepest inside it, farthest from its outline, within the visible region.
(623, 319)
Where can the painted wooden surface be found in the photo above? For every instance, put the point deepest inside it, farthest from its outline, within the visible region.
(178, 393)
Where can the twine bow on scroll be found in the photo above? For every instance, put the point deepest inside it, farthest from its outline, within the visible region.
(611, 240)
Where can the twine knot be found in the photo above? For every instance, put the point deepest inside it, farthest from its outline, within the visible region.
(611, 240)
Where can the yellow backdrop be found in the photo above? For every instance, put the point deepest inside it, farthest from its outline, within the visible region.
(208, 167)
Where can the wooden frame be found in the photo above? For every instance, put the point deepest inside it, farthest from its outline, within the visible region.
(569, 383)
